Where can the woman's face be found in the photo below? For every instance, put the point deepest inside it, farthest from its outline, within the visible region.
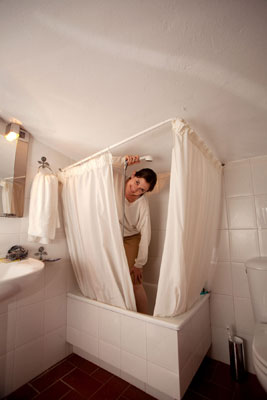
(135, 187)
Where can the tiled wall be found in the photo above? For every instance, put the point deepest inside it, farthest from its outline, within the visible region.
(243, 235)
(33, 323)
(158, 203)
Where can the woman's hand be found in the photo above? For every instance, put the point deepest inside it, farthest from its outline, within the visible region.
(132, 159)
(137, 274)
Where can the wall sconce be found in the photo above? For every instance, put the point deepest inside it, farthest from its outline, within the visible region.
(12, 132)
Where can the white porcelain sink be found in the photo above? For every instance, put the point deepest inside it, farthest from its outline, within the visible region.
(16, 275)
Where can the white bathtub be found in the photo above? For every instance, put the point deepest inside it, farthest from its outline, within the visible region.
(158, 355)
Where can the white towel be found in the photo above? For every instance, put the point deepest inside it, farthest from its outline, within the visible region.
(43, 213)
(7, 193)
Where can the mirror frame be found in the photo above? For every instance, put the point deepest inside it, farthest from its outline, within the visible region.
(19, 176)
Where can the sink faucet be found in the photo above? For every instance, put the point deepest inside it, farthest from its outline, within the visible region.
(41, 253)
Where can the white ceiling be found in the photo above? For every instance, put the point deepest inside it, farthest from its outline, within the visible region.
(81, 75)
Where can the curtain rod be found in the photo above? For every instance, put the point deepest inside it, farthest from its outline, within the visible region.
(118, 144)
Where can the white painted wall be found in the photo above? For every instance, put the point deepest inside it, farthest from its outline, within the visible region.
(33, 323)
(243, 235)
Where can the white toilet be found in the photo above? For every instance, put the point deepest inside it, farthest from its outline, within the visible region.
(256, 269)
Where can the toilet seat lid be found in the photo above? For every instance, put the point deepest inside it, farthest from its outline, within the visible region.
(259, 344)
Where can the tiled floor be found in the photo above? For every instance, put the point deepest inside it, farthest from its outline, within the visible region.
(77, 379)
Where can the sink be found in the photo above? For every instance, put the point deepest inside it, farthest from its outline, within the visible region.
(17, 275)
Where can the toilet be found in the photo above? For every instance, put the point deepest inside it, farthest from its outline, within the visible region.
(256, 269)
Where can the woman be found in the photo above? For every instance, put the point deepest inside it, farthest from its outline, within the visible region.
(136, 221)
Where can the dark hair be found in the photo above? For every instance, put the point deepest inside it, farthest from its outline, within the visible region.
(149, 175)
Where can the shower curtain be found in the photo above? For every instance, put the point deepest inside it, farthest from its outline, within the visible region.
(93, 233)
(192, 222)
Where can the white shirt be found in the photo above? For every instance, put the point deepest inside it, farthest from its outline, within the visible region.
(137, 216)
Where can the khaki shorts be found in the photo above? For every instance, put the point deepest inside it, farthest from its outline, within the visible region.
(131, 246)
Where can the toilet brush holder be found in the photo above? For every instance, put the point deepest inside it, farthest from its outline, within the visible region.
(237, 358)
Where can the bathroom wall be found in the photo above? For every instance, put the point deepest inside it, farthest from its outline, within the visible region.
(242, 235)
(33, 323)
(158, 203)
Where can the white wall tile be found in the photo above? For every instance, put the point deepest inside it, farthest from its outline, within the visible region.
(110, 327)
(241, 212)
(163, 380)
(263, 242)
(55, 313)
(157, 243)
(33, 293)
(237, 178)
(73, 335)
(7, 332)
(10, 225)
(55, 347)
(222, 310)
(151, 270)
(162, 348)
(223, 223)
(220, 347)
(158, 212)
(261, 211)
(6, 373)
(222, 281)
(134, 366)
(259, 174)
(56, 275)
(244, 244)
(133, 336)
(8, 304)
(25, 367)
(83, 316)
(223, 246)
(240, 280)
(30, 323)
(110, 354)
(89, 343)
(185, 347)
(244, 316)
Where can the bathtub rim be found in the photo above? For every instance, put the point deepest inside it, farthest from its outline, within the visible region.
(175, 323)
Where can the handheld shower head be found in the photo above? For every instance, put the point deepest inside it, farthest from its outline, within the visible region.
(146, 158)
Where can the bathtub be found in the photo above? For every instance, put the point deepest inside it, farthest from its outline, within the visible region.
(158, 355)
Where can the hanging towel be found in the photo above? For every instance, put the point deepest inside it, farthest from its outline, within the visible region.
(43, 213)
(7, 192)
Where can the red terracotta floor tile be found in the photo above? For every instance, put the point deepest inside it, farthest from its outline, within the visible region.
(73, 395)
(101, 375)
(83, 364)
(54, 392)
(249, 389)
(111, 390)
(133, 393)
(82, 382)
(194, 396)
(25, 392)
(211, 391)
(52, 375)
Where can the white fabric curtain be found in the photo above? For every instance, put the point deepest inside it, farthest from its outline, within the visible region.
(194, 203)
(93, 233)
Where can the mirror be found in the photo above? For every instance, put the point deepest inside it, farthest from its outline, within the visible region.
(13, 164)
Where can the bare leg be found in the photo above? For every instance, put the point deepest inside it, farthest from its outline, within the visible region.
(140, 299)
(131, 245)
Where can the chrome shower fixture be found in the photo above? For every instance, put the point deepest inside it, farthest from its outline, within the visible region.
(146, 158)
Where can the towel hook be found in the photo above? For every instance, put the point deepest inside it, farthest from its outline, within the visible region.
(44, 163)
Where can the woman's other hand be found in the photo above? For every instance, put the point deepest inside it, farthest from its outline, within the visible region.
(132, 159)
